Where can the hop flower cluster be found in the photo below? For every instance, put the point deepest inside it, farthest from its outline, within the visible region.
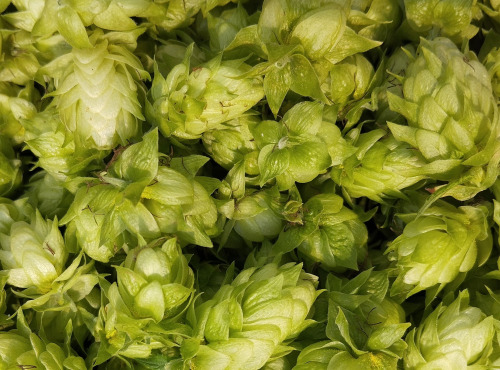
(245, 185)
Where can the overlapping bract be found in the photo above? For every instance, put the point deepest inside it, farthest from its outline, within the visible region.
(275, 184)
(456, 336)
(247, 321)
(185, 104)
(438, 245)
(364, 327)
(452, 116)
(97, 93)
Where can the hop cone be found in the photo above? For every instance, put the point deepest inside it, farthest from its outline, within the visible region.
(97, 94)
(452, 337)
(452, 116)
(155, 282)
(186, 105)
(19, 352)
(246, 322)
(364, 328)
(440, 245)
(33, 253)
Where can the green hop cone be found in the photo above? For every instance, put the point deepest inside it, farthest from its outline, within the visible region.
(438, 246)
(381, 167)
(452, 117)
(185, 104)
(22, 349)
(181, 201)
(375, 19)
(299, 41)
(55, 148)
(19, 352)
(349, 80)
(101, 115)
(33, 254)
(326, 232)
(118, 333)
(135, 200)
(155, 282)
(456, 336)
(250, 321)
(71, 307)
(364, 327)
(106, 211)
(175, 14)
(296, 149)
(19, 62)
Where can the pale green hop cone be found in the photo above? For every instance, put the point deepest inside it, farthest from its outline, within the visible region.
(247, 321)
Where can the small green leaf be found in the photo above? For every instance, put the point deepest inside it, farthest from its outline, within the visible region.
(273, 161)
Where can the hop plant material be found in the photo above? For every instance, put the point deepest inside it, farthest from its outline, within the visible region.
(232, 143)
(56, 149)
(381, 168)
(438, 246)
(456, 335)
(155, 282)
(326, 232)
(101, 115)
(10, 173)
(364, 328)
(153, 289)
(375, 19)
(447, 18)
(33, 253)
(15, 105)
(452, 116)
(183, 175)
(186, 104)
(244, 324)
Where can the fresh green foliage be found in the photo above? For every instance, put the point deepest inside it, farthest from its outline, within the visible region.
(239, 185)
